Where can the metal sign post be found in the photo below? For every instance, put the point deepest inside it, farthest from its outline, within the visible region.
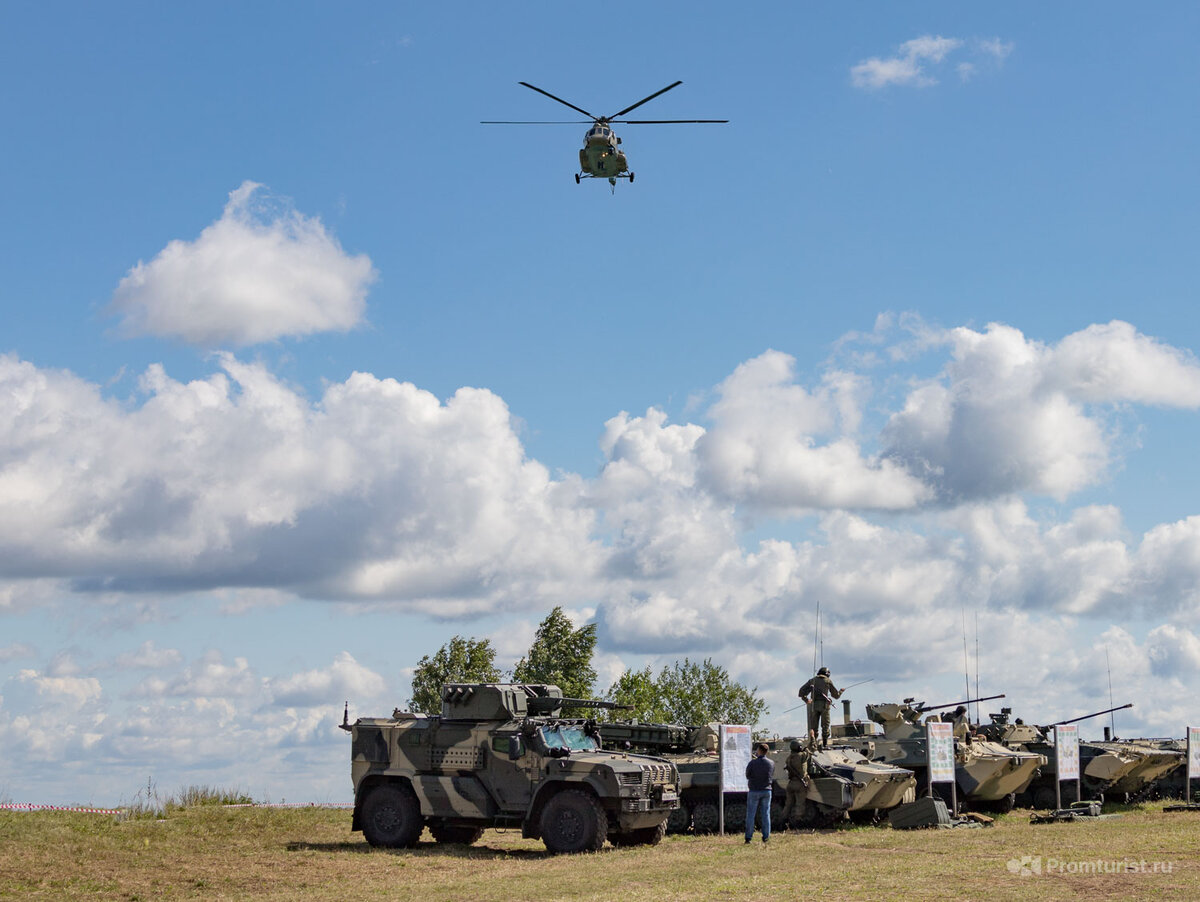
(734, 747)
(939, 746)
(1066, 760)
(1193, 761)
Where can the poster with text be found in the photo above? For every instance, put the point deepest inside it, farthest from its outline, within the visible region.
(1193, 764)
(735, 755)
(1066, 751)
(939, 740)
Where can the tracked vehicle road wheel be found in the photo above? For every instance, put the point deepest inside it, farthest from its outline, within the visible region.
(391, 817)
(735, 817)
(647, 836)
(704, 817)
(816, 816)
(573, 821)
(679, 820)
(1044, 798)
(456, 834)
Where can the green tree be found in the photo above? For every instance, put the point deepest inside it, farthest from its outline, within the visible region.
(459, 661)
(561, 655)
(687, 693)
(637, 689)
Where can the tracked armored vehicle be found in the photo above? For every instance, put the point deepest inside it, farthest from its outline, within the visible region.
(1113, 770)
(840, 781)
(502, 755)
(1173, 783)
(988, 775)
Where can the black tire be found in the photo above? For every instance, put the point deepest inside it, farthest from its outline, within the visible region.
(631, 178)
(704, 817)
(864, 816)
(679, 820)
(391, 817)
(577, 178)
(457, 834)
(573, 821)
(647, 836)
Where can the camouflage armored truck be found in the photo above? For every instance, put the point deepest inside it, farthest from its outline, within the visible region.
(501, 755)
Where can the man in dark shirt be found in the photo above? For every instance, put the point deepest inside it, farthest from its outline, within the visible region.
(760, 774)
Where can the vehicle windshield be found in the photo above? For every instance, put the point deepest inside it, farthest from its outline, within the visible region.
(568, 736)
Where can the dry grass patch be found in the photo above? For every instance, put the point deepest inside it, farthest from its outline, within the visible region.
(260, 853)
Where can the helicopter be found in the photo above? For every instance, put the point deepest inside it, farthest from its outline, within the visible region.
(600, 156)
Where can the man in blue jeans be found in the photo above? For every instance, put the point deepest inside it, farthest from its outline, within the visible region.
(760, 774)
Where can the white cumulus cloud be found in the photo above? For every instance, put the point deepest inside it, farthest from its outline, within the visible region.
(916, 60)
(254, 275)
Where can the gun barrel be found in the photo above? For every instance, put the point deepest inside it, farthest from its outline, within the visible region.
(1059, 723)
(546, 704)
(970, 701)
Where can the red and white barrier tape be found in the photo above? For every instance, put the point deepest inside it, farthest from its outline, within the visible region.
(23, 806)
(291, 805)
(30, 806)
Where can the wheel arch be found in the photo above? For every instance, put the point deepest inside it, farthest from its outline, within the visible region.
(367, 786)
(533, 817)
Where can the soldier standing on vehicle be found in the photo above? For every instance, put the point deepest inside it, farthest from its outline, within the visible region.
(797, 785)
(822, 692)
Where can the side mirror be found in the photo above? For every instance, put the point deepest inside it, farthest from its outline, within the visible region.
(516, 748)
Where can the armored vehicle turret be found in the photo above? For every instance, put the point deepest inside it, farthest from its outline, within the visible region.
(503, 754)
(988, 775)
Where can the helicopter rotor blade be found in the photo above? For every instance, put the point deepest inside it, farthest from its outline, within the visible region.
(643, 100)
(565, 103)
(663, 121)
(536, 121)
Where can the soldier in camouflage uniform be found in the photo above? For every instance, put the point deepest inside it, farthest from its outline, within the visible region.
(797, 785)
(822, 692)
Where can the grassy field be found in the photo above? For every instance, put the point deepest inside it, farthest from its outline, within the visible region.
(212, 852)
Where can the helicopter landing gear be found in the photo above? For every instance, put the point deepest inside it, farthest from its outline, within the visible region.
(577, 178)
(631, 178)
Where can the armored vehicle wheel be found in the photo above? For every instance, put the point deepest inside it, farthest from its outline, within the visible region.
(1044, 798)
(457, 834)
(679, 820)
(777, 811)
(573, 821)
(735, 817)
(1003, 805)
(647, 836)
(815, 816)
(704, 817)
(391, 817)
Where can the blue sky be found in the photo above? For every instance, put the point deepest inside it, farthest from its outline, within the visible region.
(305, 371)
